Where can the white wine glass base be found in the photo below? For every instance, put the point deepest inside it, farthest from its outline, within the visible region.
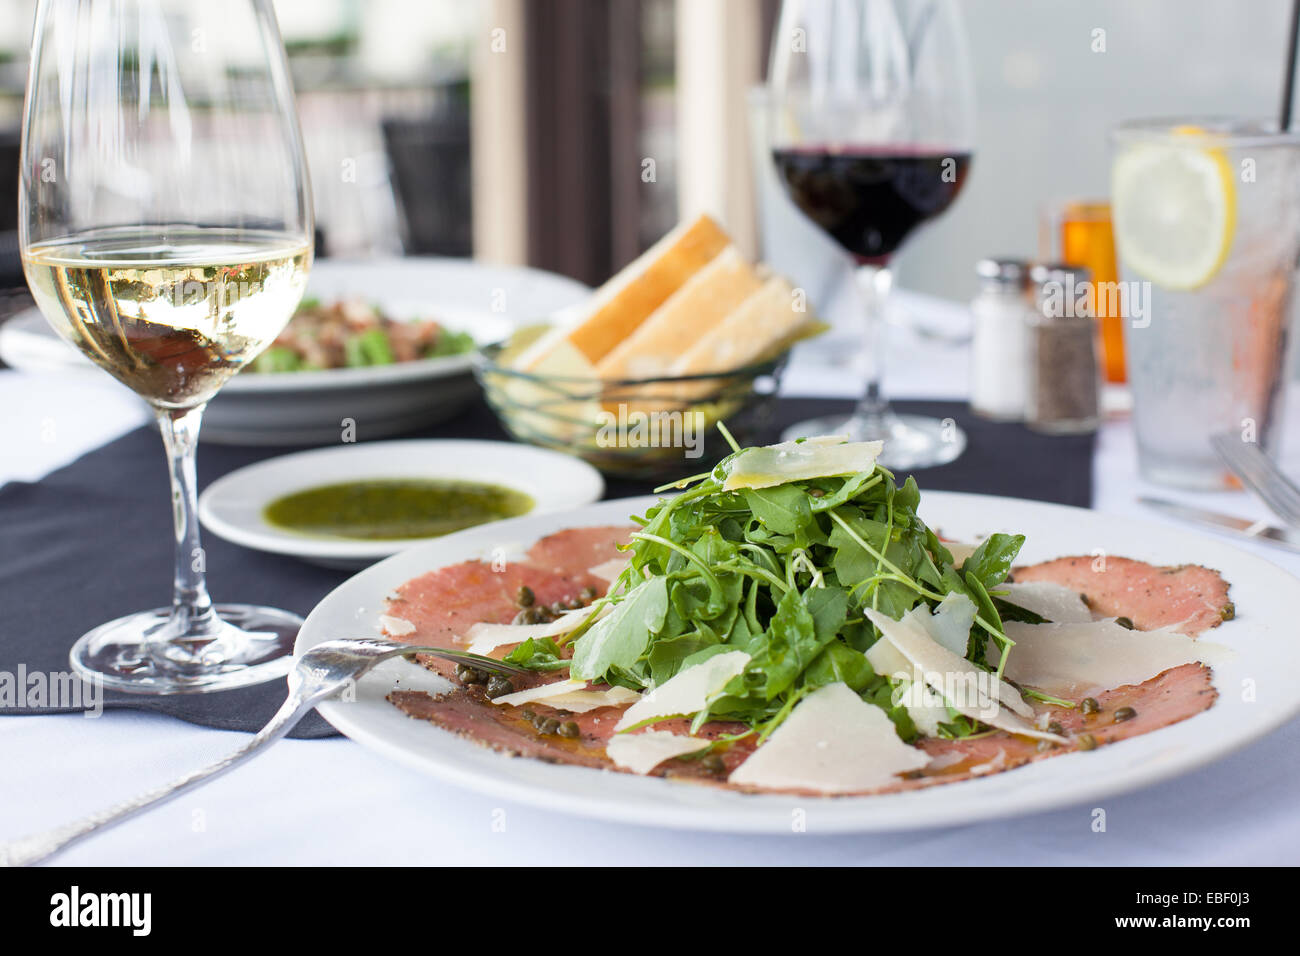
(140, 654)
(911, 441)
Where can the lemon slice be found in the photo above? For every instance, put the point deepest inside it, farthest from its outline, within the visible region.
(1175, 209)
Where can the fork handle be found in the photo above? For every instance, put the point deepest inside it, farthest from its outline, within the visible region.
(38, 847)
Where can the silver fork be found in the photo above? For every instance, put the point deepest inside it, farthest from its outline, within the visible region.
(317, 675)
(1260, 474)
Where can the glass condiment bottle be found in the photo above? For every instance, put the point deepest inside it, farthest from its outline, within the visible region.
(1064, 382)
(999, 340)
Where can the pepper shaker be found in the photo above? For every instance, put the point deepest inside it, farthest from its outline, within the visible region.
(1064, 379)
(999, 343)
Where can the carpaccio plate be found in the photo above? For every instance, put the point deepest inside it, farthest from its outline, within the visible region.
(1258, 688)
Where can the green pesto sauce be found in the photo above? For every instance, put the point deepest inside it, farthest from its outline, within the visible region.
(394, 508)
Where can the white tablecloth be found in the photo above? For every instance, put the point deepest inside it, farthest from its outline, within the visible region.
(332, 802)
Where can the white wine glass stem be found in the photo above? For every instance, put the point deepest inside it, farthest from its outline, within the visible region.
(192, 613)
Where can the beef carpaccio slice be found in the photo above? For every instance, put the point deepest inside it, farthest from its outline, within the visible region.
(444, 603)
(1188, 597)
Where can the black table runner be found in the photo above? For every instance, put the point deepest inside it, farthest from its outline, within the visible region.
(92, 541)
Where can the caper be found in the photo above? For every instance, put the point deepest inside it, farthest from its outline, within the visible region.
(1055, 728)
(527, 714)
(470, 675)
(1089, 705)
(1125, 713)
(713, 764)
(525, 597)
(572, 604)
(587, 594)
(558, 608)
(1125, 622)
(1086, 742)
(816, 493)
(567, 729)
(549, 725)
(498, 686)
(1228, 611)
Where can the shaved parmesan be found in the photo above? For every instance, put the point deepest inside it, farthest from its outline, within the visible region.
(926, 707)
(969, 690)
(951, 622)
(686, 692)
(888, 661)
(912, 637)
(1076, 659)
(642, 752)
(1048, 599)
(483, 638)
(609, 570)
(395, 626)
(832, 742)
(822, 457)
(571, 695)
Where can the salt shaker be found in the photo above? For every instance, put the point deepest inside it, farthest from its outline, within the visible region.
(999, 344)
(1064, 379)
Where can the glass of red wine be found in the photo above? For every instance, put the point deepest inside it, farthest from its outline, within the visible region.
(871, 127)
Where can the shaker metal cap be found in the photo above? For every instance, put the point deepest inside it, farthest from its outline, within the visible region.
(1003, 272)
(1044, 272)
(1058, 287)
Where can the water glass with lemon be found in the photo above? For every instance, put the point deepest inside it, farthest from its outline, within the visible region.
(1207, 229)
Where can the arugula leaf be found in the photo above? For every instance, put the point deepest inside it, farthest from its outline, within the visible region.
(802, 625)
(620, 638)
(840, 663)
(1014, 612)
(853, 564)
(847, 491)
(537, 654)
(991, 561)
(882, 696)
(975, 588)
(667, 657)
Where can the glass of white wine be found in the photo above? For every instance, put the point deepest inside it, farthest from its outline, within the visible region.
(166, 231)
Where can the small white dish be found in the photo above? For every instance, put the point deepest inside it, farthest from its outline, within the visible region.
(232, 507)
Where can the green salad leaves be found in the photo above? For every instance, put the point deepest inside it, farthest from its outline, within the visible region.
(783, 573)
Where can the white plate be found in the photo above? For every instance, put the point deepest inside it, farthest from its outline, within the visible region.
(306, 408)
(232, 506)
(1263, 635)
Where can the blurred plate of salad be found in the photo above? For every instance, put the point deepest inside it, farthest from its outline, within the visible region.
(352, 333)
(383, 347)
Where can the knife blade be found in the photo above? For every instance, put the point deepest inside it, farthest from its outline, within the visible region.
(1253, 530)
